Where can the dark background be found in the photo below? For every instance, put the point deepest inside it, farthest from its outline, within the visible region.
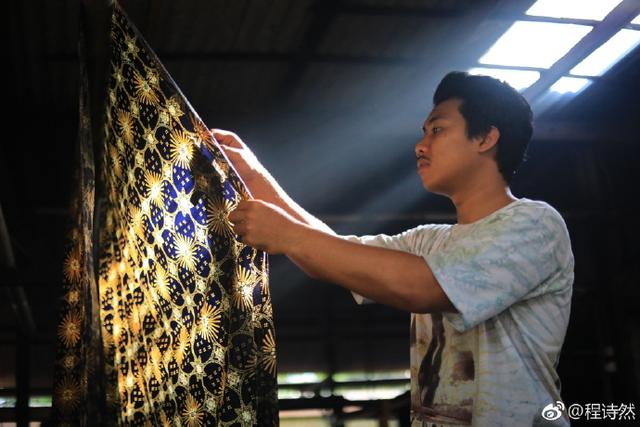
(331, 96)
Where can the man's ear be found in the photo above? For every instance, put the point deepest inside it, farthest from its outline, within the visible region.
(489, 140)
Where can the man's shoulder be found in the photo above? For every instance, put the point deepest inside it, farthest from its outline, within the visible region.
(542, 213)
(537, 211)
(540, 206)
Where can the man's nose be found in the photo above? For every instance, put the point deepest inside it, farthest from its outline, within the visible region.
(421, 147)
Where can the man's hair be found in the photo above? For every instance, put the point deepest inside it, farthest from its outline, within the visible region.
(490, 102)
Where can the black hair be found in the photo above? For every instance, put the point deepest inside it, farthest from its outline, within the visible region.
(490, 102)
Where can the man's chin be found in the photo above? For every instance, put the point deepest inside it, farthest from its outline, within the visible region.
(433, 188)
(429, 186)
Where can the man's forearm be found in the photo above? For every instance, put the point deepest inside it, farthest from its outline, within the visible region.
(259, 181)
(265, 187)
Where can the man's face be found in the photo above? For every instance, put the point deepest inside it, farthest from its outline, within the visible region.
(446, 157)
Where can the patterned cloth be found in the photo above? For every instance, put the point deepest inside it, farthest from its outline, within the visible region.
(184, 309)
(510, 276)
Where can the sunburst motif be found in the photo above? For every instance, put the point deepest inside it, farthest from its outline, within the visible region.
(218, 210)
(135, 220)
(67, 394)
(182, 345)
(69, 328)
(134, 320)
(192, 412)
(117, 328)
(268, 359)
(164, 421)
(181, 148)
(243, 291)
(154, 187)
(115, 161)
(145, 90)
(185, 250)
(245, 277)
(125, 123)
(72, 268)
(210, 322)
(162, 282)
(156, 362)
(242, 299)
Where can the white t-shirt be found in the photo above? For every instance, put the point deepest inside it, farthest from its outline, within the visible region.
(510, 276)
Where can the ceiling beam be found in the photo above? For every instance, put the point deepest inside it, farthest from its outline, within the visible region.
(616, 20)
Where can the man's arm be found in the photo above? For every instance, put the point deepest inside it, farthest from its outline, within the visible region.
(390, 277)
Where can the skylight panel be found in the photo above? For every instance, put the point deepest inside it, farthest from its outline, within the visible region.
(534, 44)
(604, 57)
(570, 85)
(518, 79)
(574, 9)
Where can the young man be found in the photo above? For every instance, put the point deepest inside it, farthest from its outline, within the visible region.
(490, 295)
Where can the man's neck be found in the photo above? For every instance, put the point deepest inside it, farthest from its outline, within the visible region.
(480, 202)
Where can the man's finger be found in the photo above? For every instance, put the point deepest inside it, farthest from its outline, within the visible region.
(243, 205)
(227, 138)
(236, 216)
(240, 229)
(240, 211)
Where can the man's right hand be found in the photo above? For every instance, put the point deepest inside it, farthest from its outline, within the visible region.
(241, 157)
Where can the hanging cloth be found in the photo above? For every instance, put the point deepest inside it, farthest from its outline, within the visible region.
(181, 308)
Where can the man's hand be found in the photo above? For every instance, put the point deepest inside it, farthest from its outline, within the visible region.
(265, 226)
(240, 156)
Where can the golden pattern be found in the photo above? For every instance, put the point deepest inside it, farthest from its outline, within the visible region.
(218, 210)
(210, 322)
(269, 353)
(72, 267)
(69, 328)
(192, 412)
(67, 393)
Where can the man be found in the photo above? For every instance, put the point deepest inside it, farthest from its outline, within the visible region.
(490, 295)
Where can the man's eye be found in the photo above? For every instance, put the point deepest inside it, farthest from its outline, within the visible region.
(436, 130)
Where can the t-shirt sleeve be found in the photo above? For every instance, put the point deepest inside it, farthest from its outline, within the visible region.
(487, 271)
